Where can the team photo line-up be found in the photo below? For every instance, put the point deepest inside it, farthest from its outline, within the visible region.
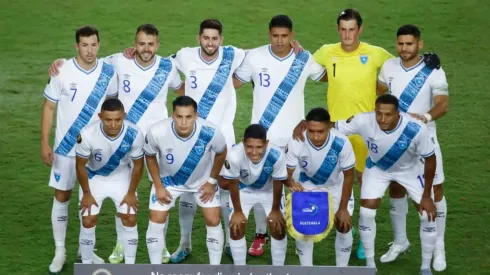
(295, 171)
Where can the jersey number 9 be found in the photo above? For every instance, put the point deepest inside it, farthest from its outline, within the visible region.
(170, 158)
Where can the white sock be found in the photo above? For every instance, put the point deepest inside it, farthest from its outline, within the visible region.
(155, 241)
(87, 244)
(119, 230)
(260, 219)
(165, 231)
(305, 252)
(428, 237)
(278, 249)
(343, 247)
(367, 232)
(398, 214)
(225, 213)
(239, 251)
(441, 222)
(187, 211)
(214, 241)
(59, 221)
(130, 243)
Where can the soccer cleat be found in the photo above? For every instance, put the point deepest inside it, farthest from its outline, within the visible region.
(165, 256)
(58, 261)
(425, 271)
(228, 251)
(360, 251)
(95, 259)
(439, 263)
(394, 251)
(257, 247)
(180, 255)
(117, 255)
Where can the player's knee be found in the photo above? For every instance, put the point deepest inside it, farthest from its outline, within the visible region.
(158, 216)
(278, 234)
(128, 220)
(62, 196)
(89, 221)
(396, 190)
(438, 192)
(342, 230)
(370, 203)
(223, 183)
(367, 212)
(238, 235)
(213, 221)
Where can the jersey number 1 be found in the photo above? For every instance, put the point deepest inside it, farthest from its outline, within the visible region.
(334, 68)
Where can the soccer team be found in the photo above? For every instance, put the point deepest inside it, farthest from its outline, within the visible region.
(378, 128)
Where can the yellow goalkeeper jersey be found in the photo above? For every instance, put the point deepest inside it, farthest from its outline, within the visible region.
(352, 77)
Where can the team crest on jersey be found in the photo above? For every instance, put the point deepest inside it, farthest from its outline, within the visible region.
(332, 158)
(57, 176)
(227, 165)
(199, 149)
(243, 173)
(268, 170)
(402, 144)
(419, 81)
(125, 147)
(79, 138)
(364, 59)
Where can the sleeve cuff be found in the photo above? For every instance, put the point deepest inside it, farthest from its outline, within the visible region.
(237, 77)
(50, 98)
(178, 86)
(349, 167)
(149, 154)
(229, 178)
(291, 166)
(280, 178)
(82, 156)
(323, 74)
(138, 157)
(429, 154)
(221, 151)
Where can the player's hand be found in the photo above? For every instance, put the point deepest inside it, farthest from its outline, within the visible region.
(132, 202)
(427, 205)
(419, 117)
(343, 220)
(299, 130)
(295, 186)
(54, 69)
(163, 196)
(296, 47)
(207, 191)
(238, 221)
(129, 53)
(47, 154)
(87, 201)
(432, 61)
(276, 221)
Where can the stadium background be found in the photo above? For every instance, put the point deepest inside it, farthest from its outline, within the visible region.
(34, 33)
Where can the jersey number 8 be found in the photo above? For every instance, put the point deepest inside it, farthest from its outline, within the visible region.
(373, 147)
(126, 87)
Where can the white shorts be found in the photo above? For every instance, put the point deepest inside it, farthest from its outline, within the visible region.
(63, 173)
(101, 188)
(375, 182)
(439, 178)
(179, 191)
(249, 199)
(336, 192)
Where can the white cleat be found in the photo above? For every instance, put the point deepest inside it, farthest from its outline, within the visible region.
(395, 250)
(95, 259)
(439, 263)
(58, 261)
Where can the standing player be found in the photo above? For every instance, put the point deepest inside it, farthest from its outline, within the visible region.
(191, 152)
(255, 171)
(401, 150)
(326, 160)
(422, 90)
(104, 151)
(77, 94)
(143, 87)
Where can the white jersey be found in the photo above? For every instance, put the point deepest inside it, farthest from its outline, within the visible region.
(397, 150)
(210, 84)
(184, 162)
(143, 91)
(414, 87)
(279, 83)
(255, 176)
(110, 158)
(79, 94)
(321, 166)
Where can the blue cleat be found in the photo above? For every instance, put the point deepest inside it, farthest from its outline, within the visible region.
(360, 251)
(180, 255)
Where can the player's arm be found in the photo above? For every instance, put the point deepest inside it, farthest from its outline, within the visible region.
(52, 94)
(382, 83)
(425, 148)
(439, 89)
(317, 72)
(218, 146)
(83, 151)
(279, 176)
(137, 156)
(175, 82)
(82, 175)
(243, 74)
(352, 125)
(320, 57)
(292, 161)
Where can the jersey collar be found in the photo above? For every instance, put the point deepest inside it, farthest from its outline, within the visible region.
(413, 67)
(208, 62)
(145, 68)
(184, 139)
(85, 71)
(321, 147)
(108, 137)
(279, 58)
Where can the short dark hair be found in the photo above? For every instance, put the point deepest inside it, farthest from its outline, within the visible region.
(388, 99)
(409, 30)
(281, 21)
(86, 31)
(112, 104)
(255, 131)
(184, 101)
(148, 29)
(210, 24)
(349, 14)
(318, 114)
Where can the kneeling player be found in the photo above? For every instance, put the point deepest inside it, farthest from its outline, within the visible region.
(104, 151)
(255, 171)
(192, 152)
(398, 145)
(326, 160)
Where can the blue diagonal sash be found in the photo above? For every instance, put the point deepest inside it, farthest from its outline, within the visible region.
(281, 94)
(217, 83)
(120, 153)
(328, 165)
(397, 149)
(413, 88)
(267, 169)
(180, 178)
(151, 91)
(100, 89)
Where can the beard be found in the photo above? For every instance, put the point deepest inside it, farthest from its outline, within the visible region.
(142, 56)
(205, 51)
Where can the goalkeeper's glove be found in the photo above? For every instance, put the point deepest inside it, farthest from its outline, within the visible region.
(432, 61)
